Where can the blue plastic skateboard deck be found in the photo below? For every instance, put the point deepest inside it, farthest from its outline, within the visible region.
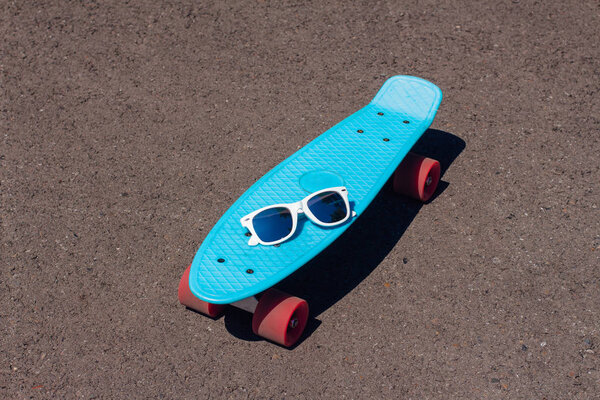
(361, 152)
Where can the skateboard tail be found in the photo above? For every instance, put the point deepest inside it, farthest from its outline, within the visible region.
(411, 96)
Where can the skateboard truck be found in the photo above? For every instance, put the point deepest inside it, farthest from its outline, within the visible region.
(248, 304)
(276, 316)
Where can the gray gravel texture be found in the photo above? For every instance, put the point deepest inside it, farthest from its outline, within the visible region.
(129, 127)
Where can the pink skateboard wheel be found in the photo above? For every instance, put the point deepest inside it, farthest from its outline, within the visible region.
(417, 177)
(280, 317)
(187, 298)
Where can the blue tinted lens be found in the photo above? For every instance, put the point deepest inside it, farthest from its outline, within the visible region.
(328, 207)
(273, 224)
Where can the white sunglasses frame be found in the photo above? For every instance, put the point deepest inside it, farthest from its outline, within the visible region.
(300, 207)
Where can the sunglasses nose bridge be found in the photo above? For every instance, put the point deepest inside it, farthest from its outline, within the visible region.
(299, 207)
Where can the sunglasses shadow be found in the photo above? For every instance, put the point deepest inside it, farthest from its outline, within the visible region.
(337, 270)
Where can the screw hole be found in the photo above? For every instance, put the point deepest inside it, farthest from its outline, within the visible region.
(386, 139)
(360, 131)
(248, 234)
(249, 271)
(406, 121)
(221, 260)
(276, 245)
(380, 113)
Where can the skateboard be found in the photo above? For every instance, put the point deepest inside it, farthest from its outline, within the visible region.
(360, 154)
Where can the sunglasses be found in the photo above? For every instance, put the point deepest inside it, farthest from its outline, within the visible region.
(275, 224)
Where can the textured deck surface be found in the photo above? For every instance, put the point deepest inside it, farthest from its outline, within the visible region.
(355, 151)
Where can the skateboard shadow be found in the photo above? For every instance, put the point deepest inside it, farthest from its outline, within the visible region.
(343, 265)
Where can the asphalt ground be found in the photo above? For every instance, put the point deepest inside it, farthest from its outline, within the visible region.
(128, 128)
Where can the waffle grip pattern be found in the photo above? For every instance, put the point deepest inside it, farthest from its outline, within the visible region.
(361, 152)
